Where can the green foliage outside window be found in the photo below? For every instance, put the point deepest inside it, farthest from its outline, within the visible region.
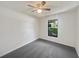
(53, 28)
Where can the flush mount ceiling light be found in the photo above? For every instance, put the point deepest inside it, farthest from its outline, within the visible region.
(39, 11)
(39, 7)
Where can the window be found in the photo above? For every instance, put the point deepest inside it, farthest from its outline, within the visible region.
(53, 28)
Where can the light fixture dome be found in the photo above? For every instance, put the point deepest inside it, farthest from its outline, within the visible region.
(39, 11)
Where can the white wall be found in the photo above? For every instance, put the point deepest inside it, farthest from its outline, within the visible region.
(66, 28)
(16, 30)
(77, 24)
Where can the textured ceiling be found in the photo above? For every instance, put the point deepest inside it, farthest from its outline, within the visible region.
(56, 7)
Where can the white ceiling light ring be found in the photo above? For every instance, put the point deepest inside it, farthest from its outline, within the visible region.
(39, 10)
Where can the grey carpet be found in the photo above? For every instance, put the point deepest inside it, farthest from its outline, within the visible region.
(43, 49)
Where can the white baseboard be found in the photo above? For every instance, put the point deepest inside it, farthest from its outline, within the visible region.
(16, 48)
(57, 42)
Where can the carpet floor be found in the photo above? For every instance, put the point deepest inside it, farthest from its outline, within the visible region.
(43, 49)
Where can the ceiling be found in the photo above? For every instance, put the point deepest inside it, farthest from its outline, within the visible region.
(56, 7)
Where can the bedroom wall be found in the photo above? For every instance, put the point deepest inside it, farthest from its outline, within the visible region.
(16, 30)
(66, 28)
(77, 31)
